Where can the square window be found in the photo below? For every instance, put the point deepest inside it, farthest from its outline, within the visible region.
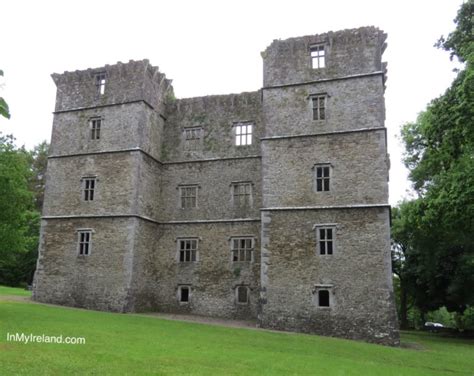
(100, 79)
(188, 196)
(95, 125)
(88, 188)
(242, 294)
(318, 56)
(188, 250)
(242, 194)
(322, 177)
(243, 134)
(242, 249)
(84, 242)
(319, 107)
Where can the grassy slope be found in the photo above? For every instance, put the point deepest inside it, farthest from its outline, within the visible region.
(138, 345)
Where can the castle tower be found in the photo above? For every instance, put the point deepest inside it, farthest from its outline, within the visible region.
(102, 188)
(326, 264)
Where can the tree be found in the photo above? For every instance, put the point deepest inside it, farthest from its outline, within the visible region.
(16, 209)
(440, 157)
(38, 163)
(4, 111)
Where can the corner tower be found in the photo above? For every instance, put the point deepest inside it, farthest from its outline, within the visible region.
(325, 172)
(102, 188)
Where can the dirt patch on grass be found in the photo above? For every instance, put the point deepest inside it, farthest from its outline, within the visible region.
(412, 346)
(15, 298)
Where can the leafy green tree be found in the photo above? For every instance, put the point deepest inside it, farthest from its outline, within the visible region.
(4, 111)
(16, 209)
(440, 156)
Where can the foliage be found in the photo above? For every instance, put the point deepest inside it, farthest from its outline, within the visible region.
(38, 162)
(4, 111)
(19, 221)
(127, 344)
(434, 234)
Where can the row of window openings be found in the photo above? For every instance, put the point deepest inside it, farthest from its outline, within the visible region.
(241, 192)
(318, 61)
(242, 248)
(243, 132)
(242, 294)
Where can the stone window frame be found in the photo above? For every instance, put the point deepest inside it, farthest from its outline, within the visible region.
(179, 293)
(183, 199)
(192, 133)
(95, 125)
(100, 80)
(179, 249)
(84, 241)
(319, 240)
(89, 188)
(323, 179)
(317, 53)
(237, 296)
(240, 136)
(319, 114)
(233, 195)
(237, 251)
(316, 295)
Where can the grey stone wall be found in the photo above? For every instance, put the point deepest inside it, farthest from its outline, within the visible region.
(359, 169)
(97, 281)
(359, 271)
(214, 277)
(350, 104)
(216, 115)
(116, 185)
(133, 81)
(214, 181)
(348, 52)
(125, 126)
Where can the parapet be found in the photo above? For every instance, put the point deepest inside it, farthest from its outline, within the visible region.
(112, 84)
(341, 53)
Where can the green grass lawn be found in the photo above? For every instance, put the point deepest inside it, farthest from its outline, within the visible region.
(125, 344)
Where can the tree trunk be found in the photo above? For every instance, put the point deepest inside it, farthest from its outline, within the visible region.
(403, 306)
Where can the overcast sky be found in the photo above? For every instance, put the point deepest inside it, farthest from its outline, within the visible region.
(212, 47)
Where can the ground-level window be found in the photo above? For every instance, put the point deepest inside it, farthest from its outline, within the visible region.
(184, 294)
(323, 298)
(243, 134)
(242, 249)
(187, 250)
(242, 294)
(84, 242)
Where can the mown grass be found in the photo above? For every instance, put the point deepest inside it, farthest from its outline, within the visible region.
(118, 344)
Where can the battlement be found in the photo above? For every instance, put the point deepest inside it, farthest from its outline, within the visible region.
(112, 84)
(330, 55)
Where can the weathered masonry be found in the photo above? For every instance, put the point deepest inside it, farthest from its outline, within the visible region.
(267, 205)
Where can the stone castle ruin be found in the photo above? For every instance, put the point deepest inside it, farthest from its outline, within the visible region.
(269, 205)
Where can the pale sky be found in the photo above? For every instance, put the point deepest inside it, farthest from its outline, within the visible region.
(212, 47)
